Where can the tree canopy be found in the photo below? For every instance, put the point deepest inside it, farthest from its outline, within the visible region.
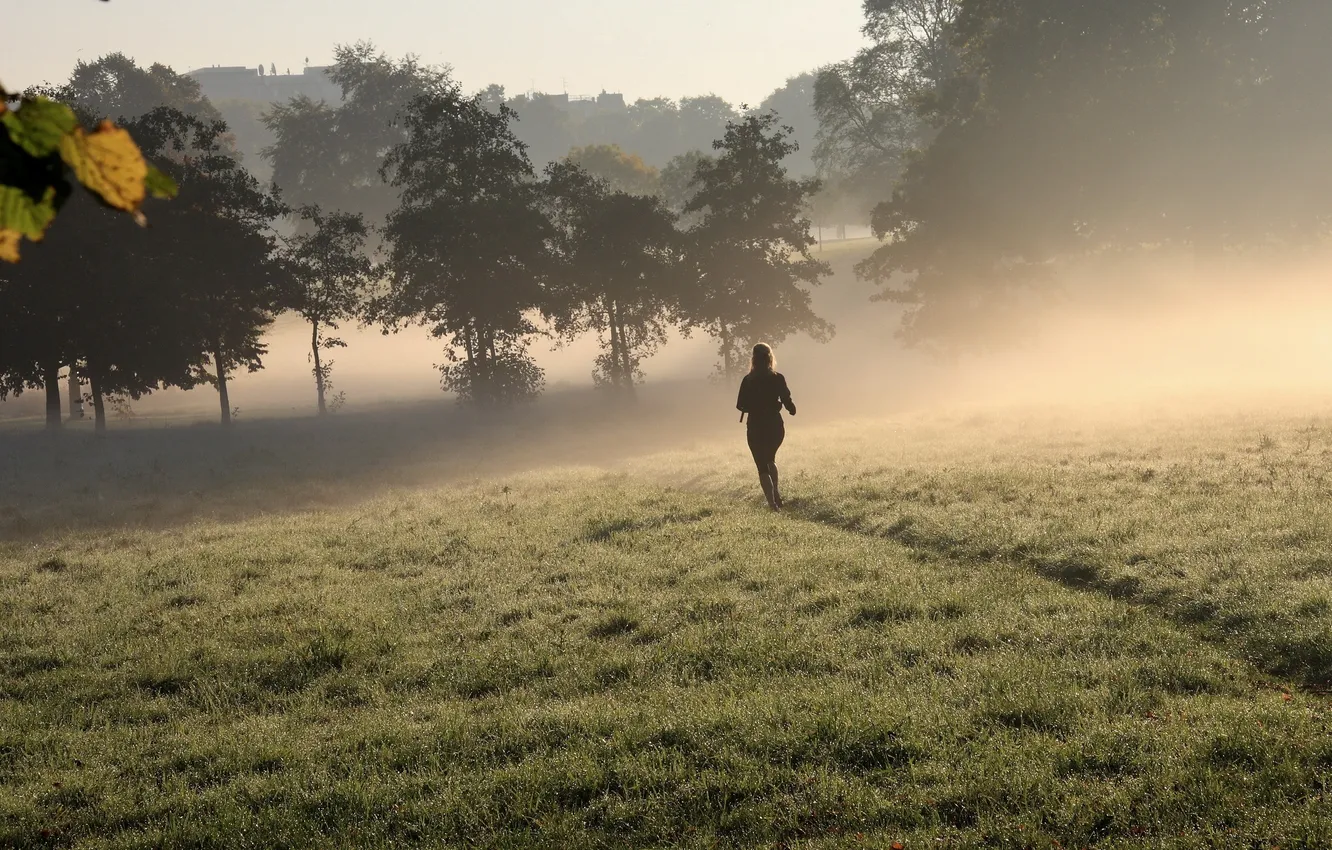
(619, 274)
(469, 244)
(1078, 127)
(751, 245)
(331, 155)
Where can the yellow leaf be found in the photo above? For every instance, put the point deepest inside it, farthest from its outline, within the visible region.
(9, 245)
(108, 162)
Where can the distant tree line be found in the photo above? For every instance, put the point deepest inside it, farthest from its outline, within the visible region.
(409, 203)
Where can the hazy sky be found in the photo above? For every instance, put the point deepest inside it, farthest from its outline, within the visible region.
(740, 49)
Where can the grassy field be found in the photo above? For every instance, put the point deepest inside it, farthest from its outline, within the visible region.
(1019, 630)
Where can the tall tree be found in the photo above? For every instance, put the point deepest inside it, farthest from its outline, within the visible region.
(678, 181)
(138, 309)
(39, 333)
(218, 247)
(544, 126)
(330, 155)
(656, 129)
(127, 321)
(702, 120)
(468, 245)
(1142, 123)
(872, 109)
(114, 87)
(752, 246)
(619, 272)
(794, 102)
(332, 276)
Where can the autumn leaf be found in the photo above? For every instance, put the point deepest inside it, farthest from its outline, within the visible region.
(9, 244)
(109, 163)
(40, 126)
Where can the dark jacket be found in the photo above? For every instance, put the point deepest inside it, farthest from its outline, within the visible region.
(763, 395)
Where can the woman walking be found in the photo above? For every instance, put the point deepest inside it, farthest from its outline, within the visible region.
(763, 394)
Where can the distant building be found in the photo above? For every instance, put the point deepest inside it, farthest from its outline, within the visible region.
(237, 82)
(585, 106)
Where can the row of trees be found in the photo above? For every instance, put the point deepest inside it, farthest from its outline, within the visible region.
(656, 129)
(329, 154)
(475, 246)
(1003, 136)
(478, 248)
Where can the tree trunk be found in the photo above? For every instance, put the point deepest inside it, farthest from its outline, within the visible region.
(51, 377)
(727, 367)
(628, 359)
(613, 323)
(75, 392)
(99, 404)
(492, 391)
(623, 364)
(223, 395)
(318, 366)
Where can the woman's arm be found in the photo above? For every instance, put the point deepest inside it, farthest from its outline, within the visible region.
(786, 398)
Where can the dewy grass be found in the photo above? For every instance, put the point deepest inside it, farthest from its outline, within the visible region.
(962, 634)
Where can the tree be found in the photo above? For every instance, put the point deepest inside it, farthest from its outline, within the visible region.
(249, 135)
(38, 334)
(656, 129)
(114, 87)
(702, 119)
(1119, 127)
(619, 272)
(492, 97)
(209, 286)
(678, 180)
(624, 172)
(751, 248)
(874, 109)
(468, 245)
(332, 276)
(134, 309)
(331, 155)
(543, 126)
(794, 102)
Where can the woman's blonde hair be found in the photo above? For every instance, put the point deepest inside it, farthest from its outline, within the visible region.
(763, 360)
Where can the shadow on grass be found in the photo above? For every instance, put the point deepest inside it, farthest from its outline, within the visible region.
(161, 476)
(1292, 645)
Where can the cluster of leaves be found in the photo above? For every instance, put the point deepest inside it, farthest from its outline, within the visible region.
(44, 150)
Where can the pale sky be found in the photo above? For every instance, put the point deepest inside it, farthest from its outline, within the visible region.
(739, 49)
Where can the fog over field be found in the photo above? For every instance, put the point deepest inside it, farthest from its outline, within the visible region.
(735, 424)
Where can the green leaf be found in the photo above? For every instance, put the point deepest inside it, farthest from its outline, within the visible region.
(39, 126)
(160, 185)
(18, 211)
(21, 216)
